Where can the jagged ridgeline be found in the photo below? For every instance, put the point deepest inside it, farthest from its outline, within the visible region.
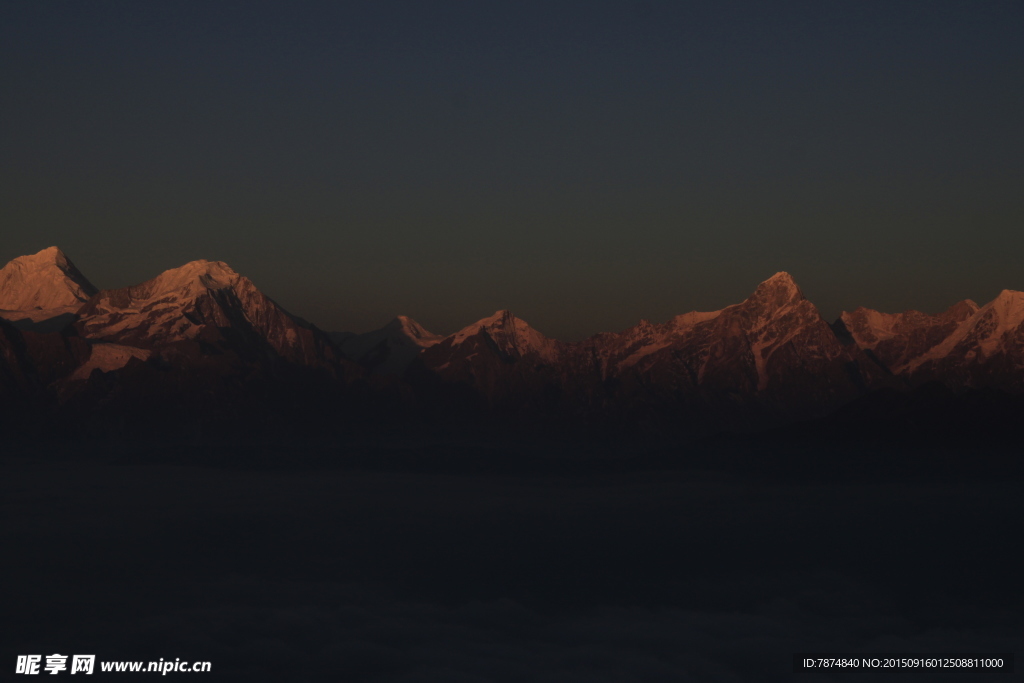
(202, 344)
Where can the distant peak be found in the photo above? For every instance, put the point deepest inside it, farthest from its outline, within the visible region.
(781, 278)
(513, 336)
(405, 325)
(51, 254)
(777, 291)
(961, 310)
(1009, 302)
(216, 270)
(204, 266)
(500, 316)
(201, 273)
(44, 280)
(1007, 298)
(500, 321)
(48, 256)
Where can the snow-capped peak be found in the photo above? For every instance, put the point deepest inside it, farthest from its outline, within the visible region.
(778, 290)
(1009, 295)
(510, 333)
(189, 278)
(963, 309)
(1007, 309)
(45, 280)
(413, 331)
(50, 255)
(500, 320)
(869, 327)
(200, 300)
(172, 306)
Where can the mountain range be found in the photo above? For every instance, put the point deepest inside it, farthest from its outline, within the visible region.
(204, 338)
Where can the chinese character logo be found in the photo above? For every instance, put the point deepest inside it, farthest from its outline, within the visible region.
(83, 664)
(28, 664)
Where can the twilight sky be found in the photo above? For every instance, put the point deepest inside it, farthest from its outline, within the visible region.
(586, 164)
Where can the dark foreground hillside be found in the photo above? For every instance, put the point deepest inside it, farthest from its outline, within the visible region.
(362, 574)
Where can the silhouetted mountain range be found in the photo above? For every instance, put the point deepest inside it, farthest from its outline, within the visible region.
(202, 340)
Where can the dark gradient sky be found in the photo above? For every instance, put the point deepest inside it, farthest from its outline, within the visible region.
(584, 164)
